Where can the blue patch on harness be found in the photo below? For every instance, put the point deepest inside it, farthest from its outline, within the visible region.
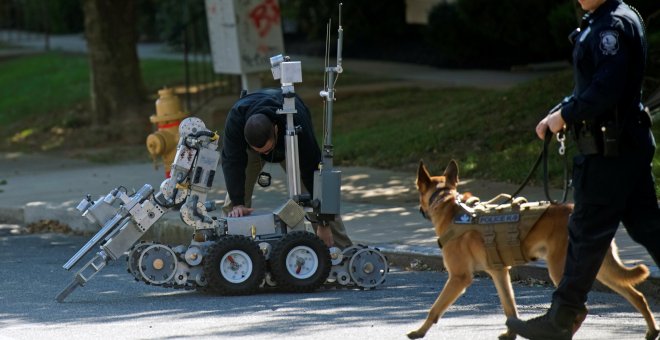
(463, 219)
(493, 219)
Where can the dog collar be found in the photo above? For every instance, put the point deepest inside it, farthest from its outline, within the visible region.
(436, 194)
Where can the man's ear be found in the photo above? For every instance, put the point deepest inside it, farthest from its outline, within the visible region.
(451, 173)
(423, 177)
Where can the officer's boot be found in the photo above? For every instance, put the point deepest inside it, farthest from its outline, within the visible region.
(560, 323)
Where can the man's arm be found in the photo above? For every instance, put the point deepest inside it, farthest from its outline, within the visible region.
(234, 157)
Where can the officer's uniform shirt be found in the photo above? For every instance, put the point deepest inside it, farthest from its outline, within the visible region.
(608, 60)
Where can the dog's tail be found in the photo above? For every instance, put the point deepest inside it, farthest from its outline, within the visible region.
(624, 275)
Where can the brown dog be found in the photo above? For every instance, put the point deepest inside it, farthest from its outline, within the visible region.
(548, 239)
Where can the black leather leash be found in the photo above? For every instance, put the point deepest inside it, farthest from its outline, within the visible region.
(543, 156)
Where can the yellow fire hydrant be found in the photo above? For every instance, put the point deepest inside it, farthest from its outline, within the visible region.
(167, 118)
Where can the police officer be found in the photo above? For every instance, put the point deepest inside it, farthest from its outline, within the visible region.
(254, 137)
(612, 175)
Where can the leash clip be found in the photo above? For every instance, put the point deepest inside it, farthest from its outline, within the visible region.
(561, 137)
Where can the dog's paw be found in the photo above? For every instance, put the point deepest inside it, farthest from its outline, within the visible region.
(652, 334)
(415, 335)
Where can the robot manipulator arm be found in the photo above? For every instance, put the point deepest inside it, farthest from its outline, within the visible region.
(121, 227)
(124, 219)
(194, 169)
(135, 214)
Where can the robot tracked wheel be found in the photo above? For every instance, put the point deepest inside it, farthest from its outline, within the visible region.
(368, 268)
(300, 262)
(234, 265)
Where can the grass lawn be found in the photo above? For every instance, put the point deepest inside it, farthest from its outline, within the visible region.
(490, 132)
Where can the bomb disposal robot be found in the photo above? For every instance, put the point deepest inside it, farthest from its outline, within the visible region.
(230, 255)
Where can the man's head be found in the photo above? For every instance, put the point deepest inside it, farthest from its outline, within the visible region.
(260, 133)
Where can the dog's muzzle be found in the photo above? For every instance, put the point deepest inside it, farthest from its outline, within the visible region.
(421, 211)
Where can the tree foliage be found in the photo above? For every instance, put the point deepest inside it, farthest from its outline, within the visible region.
(486, 33)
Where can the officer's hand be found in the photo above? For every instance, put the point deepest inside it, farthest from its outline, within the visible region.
(553, 121)
(556, 121)
(240, 211)
(542, 127)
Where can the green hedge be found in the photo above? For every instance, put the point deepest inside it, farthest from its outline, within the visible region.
(61, 16)
(485, 33)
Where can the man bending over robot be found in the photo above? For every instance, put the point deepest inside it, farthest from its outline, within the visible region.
(253, 136)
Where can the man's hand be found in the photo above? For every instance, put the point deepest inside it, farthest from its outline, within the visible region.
(240, 211)
(325, 234)
(554, 121)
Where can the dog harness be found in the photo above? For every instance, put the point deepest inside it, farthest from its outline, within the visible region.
(502, 226)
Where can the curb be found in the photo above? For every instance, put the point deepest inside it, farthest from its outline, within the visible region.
(12, 215)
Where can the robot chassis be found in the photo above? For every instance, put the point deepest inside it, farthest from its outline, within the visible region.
(229, 256)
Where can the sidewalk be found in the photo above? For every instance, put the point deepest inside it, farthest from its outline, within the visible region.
(379, 207)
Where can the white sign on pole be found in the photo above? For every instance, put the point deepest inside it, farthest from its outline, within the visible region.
(244, 34)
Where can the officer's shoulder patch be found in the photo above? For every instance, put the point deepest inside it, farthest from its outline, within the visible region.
(609, 42)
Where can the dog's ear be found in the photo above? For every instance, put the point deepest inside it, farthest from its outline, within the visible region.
(451, 173)
(423, 177)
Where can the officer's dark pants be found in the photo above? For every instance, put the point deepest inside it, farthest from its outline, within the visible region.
(608, 191)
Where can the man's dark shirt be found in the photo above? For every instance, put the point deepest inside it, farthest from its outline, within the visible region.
(234, 156)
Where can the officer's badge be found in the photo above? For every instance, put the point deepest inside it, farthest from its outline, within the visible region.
(609, 42)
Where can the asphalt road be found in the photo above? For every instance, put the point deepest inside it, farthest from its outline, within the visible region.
(113, 306)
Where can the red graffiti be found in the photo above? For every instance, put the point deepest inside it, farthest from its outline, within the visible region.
(264, 16)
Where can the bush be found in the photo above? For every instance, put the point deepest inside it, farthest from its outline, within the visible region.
(508, 32)
(563, 19)
(373, 28)
(173, 16)
(450, 37)
(63, 16)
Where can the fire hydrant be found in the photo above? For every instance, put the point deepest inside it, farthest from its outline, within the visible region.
(167, 118)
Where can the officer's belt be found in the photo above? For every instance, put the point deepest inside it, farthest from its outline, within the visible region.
(501, 226)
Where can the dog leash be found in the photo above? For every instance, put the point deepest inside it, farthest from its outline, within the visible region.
(561, 138)
(543, 156)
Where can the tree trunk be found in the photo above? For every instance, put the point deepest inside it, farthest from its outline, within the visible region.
(117, 89)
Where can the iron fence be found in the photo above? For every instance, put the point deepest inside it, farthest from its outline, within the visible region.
(201, 82)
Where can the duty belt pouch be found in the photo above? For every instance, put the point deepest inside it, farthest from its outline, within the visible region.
(645, 117)
(610, 140)
(586, 141)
